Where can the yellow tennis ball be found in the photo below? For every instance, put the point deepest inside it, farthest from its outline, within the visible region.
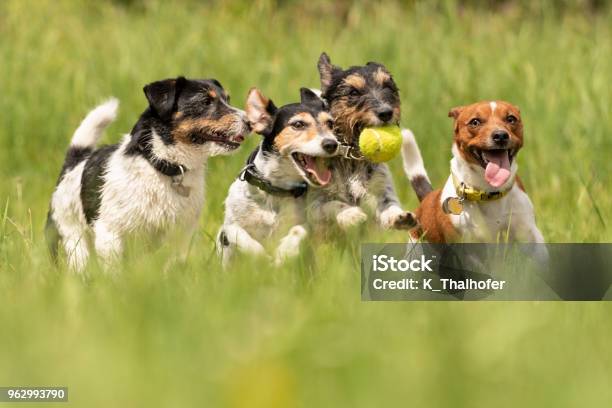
(380, 144)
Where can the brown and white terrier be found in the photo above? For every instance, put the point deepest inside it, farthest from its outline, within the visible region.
(483, 199)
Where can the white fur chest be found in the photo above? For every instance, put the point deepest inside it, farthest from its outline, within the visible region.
(488, 221)
(136, 196)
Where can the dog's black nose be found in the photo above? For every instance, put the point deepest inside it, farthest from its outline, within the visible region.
(500, 137)
(329, 145)
(385, 114)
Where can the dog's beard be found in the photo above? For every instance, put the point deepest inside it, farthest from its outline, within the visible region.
(348, 122)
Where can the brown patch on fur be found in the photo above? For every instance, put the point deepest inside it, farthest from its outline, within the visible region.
(381, 76)
(289, 136)
(519, 182)
(185, 129)
(355, 80)
(434, 225)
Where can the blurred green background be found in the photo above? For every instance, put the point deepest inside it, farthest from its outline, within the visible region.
(300, 336)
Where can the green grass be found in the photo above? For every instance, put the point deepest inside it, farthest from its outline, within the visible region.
(299, 336)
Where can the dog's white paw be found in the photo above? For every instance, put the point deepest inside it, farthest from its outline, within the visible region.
(351, 217)
(254, 249)
(396, 218)
(289, 246)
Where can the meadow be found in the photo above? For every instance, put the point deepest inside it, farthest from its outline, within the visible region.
(299, 336)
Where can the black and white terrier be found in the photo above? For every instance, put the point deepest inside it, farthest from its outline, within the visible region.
(153, 180)
(269, 193)
(358, 97)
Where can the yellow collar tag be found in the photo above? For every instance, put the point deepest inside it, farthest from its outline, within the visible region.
(470, 193)
(453, 205)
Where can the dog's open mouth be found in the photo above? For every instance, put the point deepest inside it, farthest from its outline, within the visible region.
(496, 163)
(315, 169)
(222, 139)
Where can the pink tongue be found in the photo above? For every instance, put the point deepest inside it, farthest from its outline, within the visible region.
(322, 176)
(498, 168)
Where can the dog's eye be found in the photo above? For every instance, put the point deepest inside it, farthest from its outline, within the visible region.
(330, 124)
(298, 125)
(474, 122)
(511, 119)
(354, 92)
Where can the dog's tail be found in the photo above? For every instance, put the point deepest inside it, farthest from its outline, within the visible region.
(91, 128)
(413, 165)
(89, 132)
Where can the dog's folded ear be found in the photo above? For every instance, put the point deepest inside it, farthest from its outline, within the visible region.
(310, 97)
(455, 112)
(162, 95)
(260, 111)
(326, 71)
(214, 81)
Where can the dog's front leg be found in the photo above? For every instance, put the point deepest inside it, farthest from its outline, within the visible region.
(388, 210)
(536, 235)
(107, 243)
(525, 230)
(234, 237)
(289, 246)
(540, 250)
(345, 215)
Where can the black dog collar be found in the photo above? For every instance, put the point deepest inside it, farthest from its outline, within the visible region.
(175, 171)
(251, 175)
(163, 166)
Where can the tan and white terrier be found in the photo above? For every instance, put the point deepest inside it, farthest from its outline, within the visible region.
(483, 199)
